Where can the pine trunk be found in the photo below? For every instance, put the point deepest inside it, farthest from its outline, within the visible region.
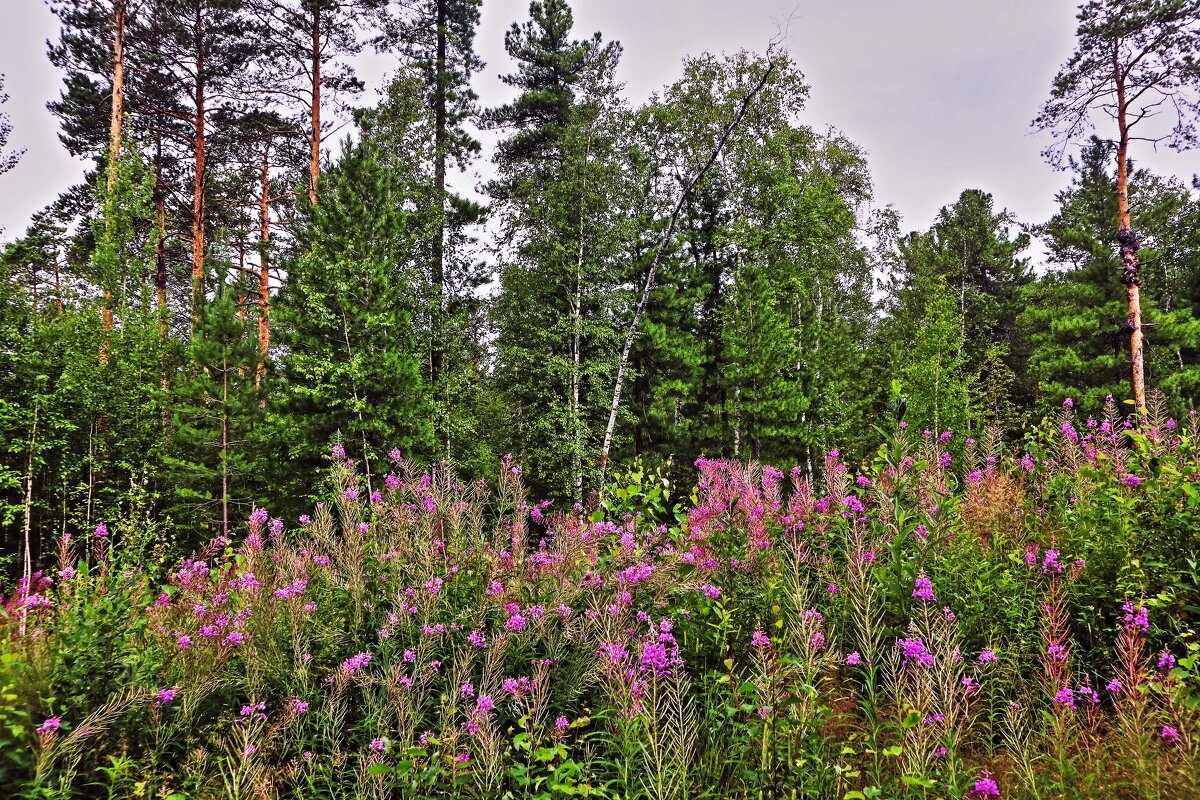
(1128, 241)
(160, 244)
(225, 445)
(314, 137)
(264, 275)
(118, 92)
(198, 193)
(114, 147)
(438, 277)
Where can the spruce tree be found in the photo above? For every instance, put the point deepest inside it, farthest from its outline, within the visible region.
(347, 318)
(215, 414)
(558, 193)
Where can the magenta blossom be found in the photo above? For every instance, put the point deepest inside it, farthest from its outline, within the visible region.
(51, 725)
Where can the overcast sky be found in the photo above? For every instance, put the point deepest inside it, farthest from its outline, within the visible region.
(939, 92)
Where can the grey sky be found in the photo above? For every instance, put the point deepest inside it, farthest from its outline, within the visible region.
(939, 92)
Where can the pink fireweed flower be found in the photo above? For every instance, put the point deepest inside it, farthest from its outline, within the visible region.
(1166, 661)
(477, 639)
(1065, 697)
(615, 653)
(1027, 463)
(985, 786)
(165, 696)
(1136, 618)
(258, 517)
(377, 746)
(710, 591)
(561, 724)
(832, 588)
(355, 663)
(1114, 685)
(297, 706)
(515, 623)
(987, 657)
(1170, 734)
(101, 531)
(1131, 480)
(433, 585)
(854, 659)
(183, 642)
(923, 590)
(484, 704)
(914, 652)
(48, 727)
(759, 640)
(1050, 563)
(338, 452)
(254, 710)
(466, 690)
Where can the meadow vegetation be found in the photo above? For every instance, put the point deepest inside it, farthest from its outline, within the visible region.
(953, 618)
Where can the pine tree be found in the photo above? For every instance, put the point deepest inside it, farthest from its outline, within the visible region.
(974, 252)
(7, 160)
(347, 317)
(1072, 315)
(215, 412)
(559, 192)
(1133, 60)
(438, 39)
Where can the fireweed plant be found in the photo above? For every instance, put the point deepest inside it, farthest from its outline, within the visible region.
(951, 620)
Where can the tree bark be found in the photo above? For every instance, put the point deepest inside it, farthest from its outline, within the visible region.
(663, 244)
(198, 194)
(439, 191)
(314, 137)
(160, 244)
(264, 275)
(27, 573)
(57, 283)
(225, 445)
(114, 148)
(1128, 242)
(118, 92)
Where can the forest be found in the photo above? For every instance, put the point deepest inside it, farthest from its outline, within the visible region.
(328, 474)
